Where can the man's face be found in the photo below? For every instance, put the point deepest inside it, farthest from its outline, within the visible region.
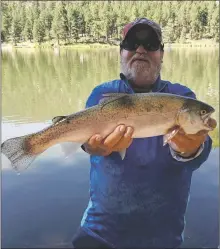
(140, 65)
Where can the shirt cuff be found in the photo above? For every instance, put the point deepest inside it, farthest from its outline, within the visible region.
(178, 156)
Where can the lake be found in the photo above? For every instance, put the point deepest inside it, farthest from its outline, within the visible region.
(43, 206)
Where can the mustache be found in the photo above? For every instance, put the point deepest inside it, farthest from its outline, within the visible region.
(143, 57)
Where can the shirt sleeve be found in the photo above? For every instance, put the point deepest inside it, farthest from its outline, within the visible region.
(178, 156)
(94, 97)
(97, 94)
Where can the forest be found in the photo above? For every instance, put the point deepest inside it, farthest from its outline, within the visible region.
(69, 22)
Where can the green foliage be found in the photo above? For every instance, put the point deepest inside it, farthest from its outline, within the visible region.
(39, 30)
(60, 22)
(6, 22)
(75, 22)
(47, 18)
(16, 27)
(28, 34)
(102, 21)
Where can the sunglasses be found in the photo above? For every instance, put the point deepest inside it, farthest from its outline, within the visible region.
(133, 44)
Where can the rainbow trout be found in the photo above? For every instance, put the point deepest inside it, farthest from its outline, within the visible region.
(150, 114)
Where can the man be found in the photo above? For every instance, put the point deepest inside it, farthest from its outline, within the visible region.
(139, 202)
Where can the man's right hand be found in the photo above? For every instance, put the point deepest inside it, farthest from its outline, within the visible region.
(118, 140)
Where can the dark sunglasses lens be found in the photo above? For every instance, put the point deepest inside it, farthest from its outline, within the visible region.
(132, 45)
(128, 45)
(151, 46)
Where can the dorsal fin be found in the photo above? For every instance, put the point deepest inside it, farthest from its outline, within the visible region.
(58, 119)
(108, 97)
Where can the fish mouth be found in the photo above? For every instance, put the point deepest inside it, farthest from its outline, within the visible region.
(206, 119)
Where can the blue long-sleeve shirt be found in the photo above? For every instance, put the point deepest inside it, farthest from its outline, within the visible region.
(140, 201)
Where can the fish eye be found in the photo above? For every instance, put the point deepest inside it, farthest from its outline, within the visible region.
(203, 112)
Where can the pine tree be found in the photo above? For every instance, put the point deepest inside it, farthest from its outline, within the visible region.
(16, 28)
(39, 31)
(60, 22)
(46, 18)
(6, 22)
(28, 33)
(214, 25)
(97, 22)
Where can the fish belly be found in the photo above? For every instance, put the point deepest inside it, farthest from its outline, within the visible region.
(150, 125)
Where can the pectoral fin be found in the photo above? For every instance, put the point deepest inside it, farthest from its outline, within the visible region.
(69, 148)
(122, 154)
(167, 137)
(58, 119)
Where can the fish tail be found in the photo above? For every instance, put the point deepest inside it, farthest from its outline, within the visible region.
(14, 150)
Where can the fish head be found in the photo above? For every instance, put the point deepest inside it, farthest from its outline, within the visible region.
(194, 116)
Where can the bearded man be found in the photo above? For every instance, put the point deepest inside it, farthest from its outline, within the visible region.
(139, 202)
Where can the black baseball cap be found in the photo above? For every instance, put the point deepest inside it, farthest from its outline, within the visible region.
(156, 27)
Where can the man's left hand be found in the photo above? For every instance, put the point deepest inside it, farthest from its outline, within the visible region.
(188, 144)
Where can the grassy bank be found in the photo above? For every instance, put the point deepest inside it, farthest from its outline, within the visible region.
(205, 43)
(62, 45)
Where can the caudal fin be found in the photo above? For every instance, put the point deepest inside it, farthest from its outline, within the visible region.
(14, 150)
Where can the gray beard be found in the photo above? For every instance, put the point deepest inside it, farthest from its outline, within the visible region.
(140, 75)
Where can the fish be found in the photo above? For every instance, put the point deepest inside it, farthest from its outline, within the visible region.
(150, 114)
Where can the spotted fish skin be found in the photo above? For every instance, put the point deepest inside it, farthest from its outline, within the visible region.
(150, 114)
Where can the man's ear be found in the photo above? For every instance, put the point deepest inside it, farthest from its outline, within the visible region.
(161, 56)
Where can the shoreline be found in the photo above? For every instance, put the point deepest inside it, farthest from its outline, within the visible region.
(191, 44)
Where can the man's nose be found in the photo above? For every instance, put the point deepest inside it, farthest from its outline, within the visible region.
(141, 50)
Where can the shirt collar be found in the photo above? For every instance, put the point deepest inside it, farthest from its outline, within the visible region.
(157, 86)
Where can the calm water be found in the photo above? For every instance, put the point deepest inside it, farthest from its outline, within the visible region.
(43, 206)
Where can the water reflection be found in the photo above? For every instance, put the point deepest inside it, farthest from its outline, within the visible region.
(43, 206)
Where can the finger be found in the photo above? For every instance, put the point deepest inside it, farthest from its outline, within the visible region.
(179, 140)
(112, 139)
(95, 141)
(175, 127)
(181, 132)
(129, 132)
(189, 140)
(200, 133)
(125, 141)
(198, 136)
(122, 145)
(185, 143)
